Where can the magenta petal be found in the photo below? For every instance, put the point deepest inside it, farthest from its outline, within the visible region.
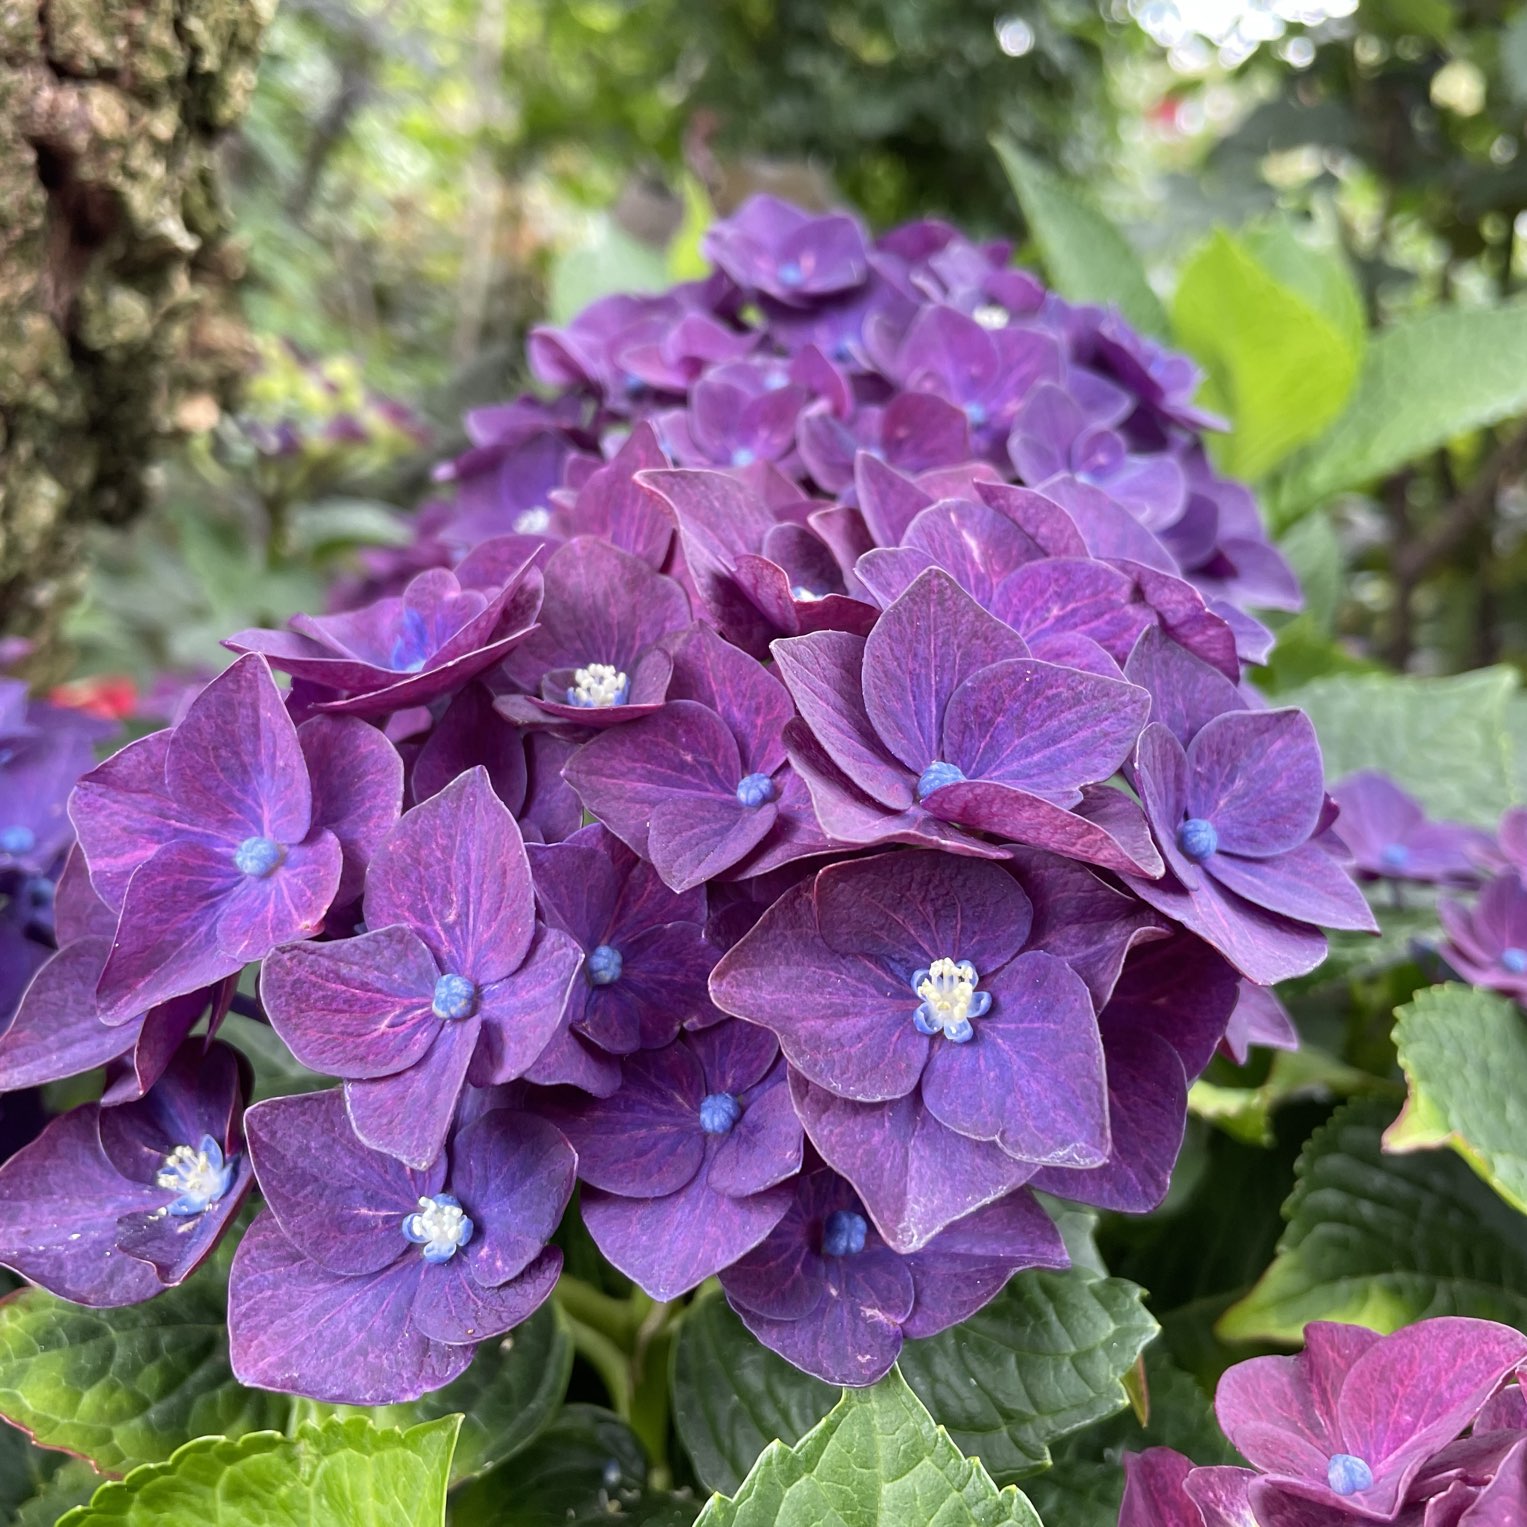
(570, 1060)
(914, 1175)
(357, 780)
(234, 762)
(340, 1201)
(451, 1306)
(1153, 1490)
(822, 672)
(1042, 728)
(454, 869)
(752, 702)
(853, 1033)
(356, 1008)
(1186, 692)
(514, 1173)
(1161, 773)
(1257, 776)
(295, 1327)
(668, 1246)
(472, 732)
(695, 838)
(522, 1013)
(1305, 883)
(1032, 1077)
(922, 649)
(408, 1114)
(60, 1200)
(1223, 1497)
(122, 811)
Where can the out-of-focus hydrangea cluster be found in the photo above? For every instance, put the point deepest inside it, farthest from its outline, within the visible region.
(799, 784)
(1423, 1428)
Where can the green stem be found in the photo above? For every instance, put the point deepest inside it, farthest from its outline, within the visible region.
(607, 1360)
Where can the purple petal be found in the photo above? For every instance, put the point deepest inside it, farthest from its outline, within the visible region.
(258, 913)
(472, 733)
(338, 1200)
(357, 781)
(297, 1328)
(356, 1008)
(1257, 776)
(922, 649)
(55, 1032)
(670, 1245)
(522, 1014)
(408, 1114)
(1186, 693)
(451, 1306)
(463, 839)
(914, 1175)
(764, 1146)
(122, 811)
(1154, 1494)
(1306, 883)
(750, 700)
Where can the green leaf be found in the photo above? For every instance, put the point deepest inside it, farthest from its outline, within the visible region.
(732, 1396)
(29, 1475)
(340, 1474)
(1046, 1356)
(277, 1071)
(1246, 1112)
(1086, 258)
(126, 1386)
(1474, 363)
(609, 261)
(1085, 1484)
(1382, 1241)
(1315, 553)
(1311, 263)
(506, 1398)
(1464, 1053)
(70, 1486)
(1513, 57)
(585, 1470)
(877, 1457)
(1278, 365)
(1444, 740)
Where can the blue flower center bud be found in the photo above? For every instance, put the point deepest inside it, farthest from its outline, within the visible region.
(1514, 960)
(991, 315)
(410, 648)
(1347, 1475)
(630, 383)
(843, 1233)
(976, 413)
(258, 857)
(440, 1226)
(936, 776)
(455, 997)
(197, 1175)
(756, 790)
(604, 965)
(1394, 856)
(743, 457)
(532, 522)
(719, 1112)
(17, 840)
(805, 595)
(791, 274)
(1197, 839)
(949, 1000)
(598, 686)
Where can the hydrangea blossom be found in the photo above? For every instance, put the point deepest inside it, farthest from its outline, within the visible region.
(1357, 1428)
(1390, 837)
(833, 795)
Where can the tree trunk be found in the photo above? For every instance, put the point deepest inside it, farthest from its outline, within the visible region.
(117, 332)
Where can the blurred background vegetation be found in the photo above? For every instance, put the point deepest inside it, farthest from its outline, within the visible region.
(1329, 197)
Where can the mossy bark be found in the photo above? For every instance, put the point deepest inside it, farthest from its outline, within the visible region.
(117, 330)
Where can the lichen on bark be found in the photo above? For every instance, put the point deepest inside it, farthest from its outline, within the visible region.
(117, 328)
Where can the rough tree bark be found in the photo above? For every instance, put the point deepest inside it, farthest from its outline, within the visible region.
(117, 332)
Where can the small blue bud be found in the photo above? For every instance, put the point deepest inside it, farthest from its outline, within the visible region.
(1197, 839)
(441, 1227)
(843, 1234)
(258, 857)
(756, 790)
(976, 413)
(1394, 856)
(791, 274)
(719, 1112)
(1347, 1475)
(1514, 960)
(604, 965)
(17, 840)
(455, 997)
(937, 775)
(743, 457)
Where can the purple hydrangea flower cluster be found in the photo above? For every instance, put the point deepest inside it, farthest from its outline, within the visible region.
(1424, 1428)
(800, 783)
